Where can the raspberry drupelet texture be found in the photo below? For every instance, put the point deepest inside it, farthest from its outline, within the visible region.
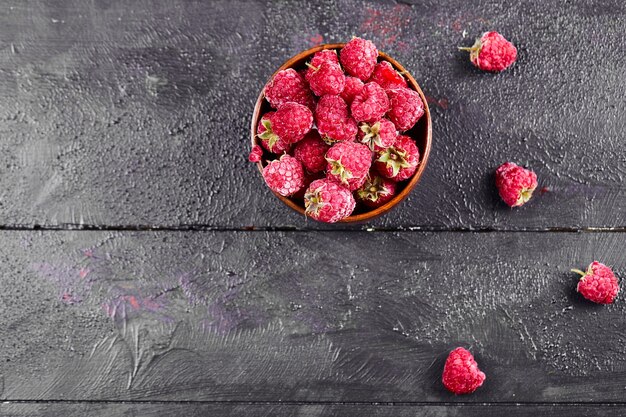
(492, 52)
(287, 85)
(406, 107)
(398, 162)
(358, 58)
(311, 151)
(256, 154)
(269, 139)
(378, 135)
(328, 78)
(333, 120)
(328, 201)
(326, 55)
(598, 284)
(387, 77)
(515, 184)
(284, 176)
(370, 104)
(460, 373)
(376, 191)
(291, 122)
(348, 164)
(353, 87)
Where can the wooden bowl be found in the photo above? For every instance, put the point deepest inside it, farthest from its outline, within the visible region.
(421, 133)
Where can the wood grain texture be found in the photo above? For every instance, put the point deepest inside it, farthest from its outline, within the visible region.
(315, 316)
(313, 410)
(127, 113)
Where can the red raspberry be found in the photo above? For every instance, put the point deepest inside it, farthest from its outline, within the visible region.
(387, 77)
(406, 107)
(598, 284)
(358, 58)
(370, 104)
(328, 78)
(326, 55)
(515, 184)
(492, 52)
(348, 163)
(311, 152)
(256, 154)
(353, 87)
(327, 201)
(291, 122)
(287, 85)
(333, 120)
(284, 176)
(376, 191)
(308, 179)
(270, 140)
(398, 162)
(460, 373)
(379, 135)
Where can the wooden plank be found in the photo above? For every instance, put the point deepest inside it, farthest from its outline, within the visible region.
(306, 410)
(131, 113)
(305, 316)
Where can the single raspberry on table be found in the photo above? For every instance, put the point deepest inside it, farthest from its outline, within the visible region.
(515, 184)
(378, 135)
(387, 77)
(492, 52)
(353, 87)
(287, 85)
(376, 191)
(328, 201)
(406, 107)
(328, 78)
(333, 120)
(359, 57)
(598, 284)
(348, 164)
(326, 55)
(311, 151)
(284, 176)
(398, 162)
(460, 373)
(270, 140)
(370, 104)
(256, 154)
(291, 122)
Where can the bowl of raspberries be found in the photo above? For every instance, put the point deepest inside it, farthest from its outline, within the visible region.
(341, 132)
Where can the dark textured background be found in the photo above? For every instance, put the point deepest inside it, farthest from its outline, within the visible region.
(118, 117)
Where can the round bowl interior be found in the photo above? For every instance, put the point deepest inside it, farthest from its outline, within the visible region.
(421, 133)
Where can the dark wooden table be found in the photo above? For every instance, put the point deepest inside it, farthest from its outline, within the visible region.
(146, 270)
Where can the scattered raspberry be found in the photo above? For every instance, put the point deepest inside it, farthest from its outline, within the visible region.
(515, 184)
(353, 87)
(598, 284)
(256, 154)
(406, 107)
(328, 78)
(270, 140)
(287, 85)
(311, 152)
(348, 163)
(387, 77)
(358, 58)
(492, 52)
(333, 120)
(460, 373)
(376, 191)
(284, 176)
(379, 135)
(291, 122)
(398, 162)
(326, 55)
(370, 104)
(327, 201)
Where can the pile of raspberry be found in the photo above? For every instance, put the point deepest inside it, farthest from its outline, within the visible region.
(336, 136)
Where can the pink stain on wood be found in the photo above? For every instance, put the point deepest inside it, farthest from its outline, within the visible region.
(316, 39)
(387, 25)
(442, 103)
